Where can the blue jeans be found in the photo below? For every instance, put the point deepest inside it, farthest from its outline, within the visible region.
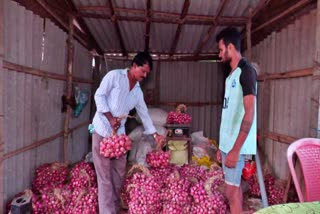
(232, 176)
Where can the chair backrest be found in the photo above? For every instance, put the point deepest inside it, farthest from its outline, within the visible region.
(308, 153)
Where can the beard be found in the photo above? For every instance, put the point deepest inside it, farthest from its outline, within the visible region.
(226, 57)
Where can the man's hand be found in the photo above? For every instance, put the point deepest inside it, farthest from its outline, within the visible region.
(232, 159)
(160, 140)
(219, 159)
(114, 121)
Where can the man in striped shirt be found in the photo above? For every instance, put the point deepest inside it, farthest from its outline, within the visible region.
(118, 93)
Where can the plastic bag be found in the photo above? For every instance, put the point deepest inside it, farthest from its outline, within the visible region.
(157, 115)
(202, 146)
(82, 97)
(146, 145)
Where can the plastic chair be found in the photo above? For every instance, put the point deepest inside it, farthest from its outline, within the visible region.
(308, 153)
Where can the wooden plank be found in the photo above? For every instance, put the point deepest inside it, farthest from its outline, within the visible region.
(41, 142)
(175, 41)
(224, 20)
(69, 71)
(116, 25)
(148, 26)
(212, 28)
(38, 72)
(261, 5)
(44, 5)
(84, 26)
(315, 93)
(300, 4)
(1, 106)
(249, 48)
(281, 138)
(287, 75)
(189, 17)
(185, 57)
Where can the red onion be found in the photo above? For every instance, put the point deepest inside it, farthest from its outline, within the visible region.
(49, 176)
(83, 175)
(178, 118)
(158, 159)
(115, 146)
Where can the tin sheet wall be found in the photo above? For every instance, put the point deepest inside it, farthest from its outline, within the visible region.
(284, 105)
(32, 104)
(194, 82)
(187, 82)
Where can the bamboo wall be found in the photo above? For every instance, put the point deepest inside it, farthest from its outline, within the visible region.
(285, 104)
(32, 104)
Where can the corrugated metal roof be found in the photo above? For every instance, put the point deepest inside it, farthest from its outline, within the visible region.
(161, 34)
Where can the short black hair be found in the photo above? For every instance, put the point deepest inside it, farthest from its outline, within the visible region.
(230, 35)
(142, 58)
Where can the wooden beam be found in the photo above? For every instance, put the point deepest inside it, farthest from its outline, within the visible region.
(43, 4)
(261, 5)
(249, 51)
(175, 41)
(84, 26)
(213, 57)
(40, 142)
(2, 96)
(148, 26)
(300, 4)
(41, 73)
(314, 124)
(212, 28)
(225, 20)
(116, 25)
(286, 75)
(68, 73)
(281, 138)
(171, 15)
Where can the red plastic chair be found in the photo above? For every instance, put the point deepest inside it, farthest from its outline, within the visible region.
(308, 153)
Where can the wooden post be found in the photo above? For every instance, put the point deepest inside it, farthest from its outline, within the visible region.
(249, 51)
(157, 85)
(315, 96)
(69, 88)
(1, 106)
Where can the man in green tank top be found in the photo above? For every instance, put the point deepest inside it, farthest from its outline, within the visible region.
(238, 127)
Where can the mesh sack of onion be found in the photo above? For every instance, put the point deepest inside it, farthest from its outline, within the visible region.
(179, 116)
(115, 146)
(48, 176)
(174, 190)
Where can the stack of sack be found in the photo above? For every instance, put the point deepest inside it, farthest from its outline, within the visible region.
(143, 144)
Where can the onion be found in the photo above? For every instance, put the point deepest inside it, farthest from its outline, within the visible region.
(115, 146)
(178, 118)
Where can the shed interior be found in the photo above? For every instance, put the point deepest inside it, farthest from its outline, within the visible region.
(48, 47)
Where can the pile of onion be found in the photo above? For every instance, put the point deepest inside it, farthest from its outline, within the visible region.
(83, 200)
(83, 175)
(178, 118)
(48, 176)
(158, 159)
(115, 146)
(275, 192)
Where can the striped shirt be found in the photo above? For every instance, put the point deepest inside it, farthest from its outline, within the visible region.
(114, 96)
